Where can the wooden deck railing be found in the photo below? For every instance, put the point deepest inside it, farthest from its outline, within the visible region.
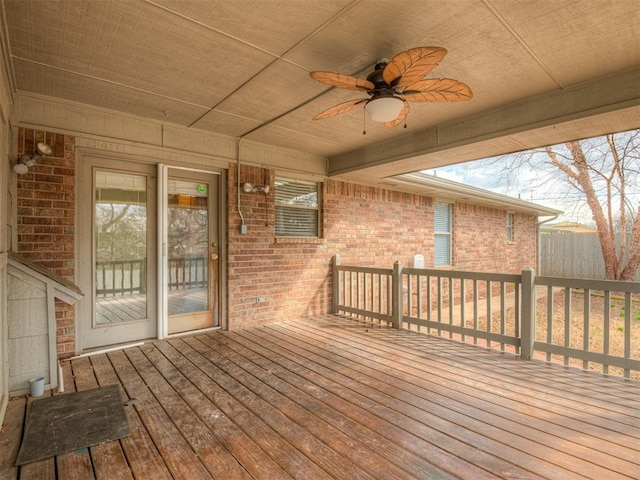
(122, 277)
(128, 277)
(523, 314)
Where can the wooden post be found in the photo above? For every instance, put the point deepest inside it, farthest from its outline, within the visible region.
(396, 280)
(336, 283)
(528, 318)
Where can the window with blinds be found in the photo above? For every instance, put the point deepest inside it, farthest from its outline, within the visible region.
(442, 234)
(511, 220)
(297, 212)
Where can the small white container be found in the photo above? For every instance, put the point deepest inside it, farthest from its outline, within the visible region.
(36, 385)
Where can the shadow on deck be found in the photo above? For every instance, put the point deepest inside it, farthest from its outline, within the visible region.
(330, 398)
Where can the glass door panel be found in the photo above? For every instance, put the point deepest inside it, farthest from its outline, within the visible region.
(192, 266)
(120, 226)
(116, 252)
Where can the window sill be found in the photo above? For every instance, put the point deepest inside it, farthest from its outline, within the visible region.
(300, 240)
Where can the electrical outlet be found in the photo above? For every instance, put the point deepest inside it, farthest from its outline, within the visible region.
(261, 300)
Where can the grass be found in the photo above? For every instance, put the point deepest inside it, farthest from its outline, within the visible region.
(604, 335)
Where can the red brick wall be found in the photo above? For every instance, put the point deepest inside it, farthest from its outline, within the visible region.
(480, 240)
(291, 274)
(364, 225)
(45, 222)
(371, 226)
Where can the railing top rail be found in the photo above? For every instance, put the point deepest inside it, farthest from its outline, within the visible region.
(494, 277)
(381, 271)
(583, 283)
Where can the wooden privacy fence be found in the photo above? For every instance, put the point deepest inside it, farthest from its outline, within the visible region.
(586, 323)
(574, 255)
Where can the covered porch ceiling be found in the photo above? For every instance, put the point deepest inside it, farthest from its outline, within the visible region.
(541, 72)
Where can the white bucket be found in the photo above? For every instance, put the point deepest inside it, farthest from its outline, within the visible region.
(36, 385)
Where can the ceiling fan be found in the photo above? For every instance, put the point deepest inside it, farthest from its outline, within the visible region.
(393, 84)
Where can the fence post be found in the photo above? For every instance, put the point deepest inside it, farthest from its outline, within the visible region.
(528, 317)
(396, 301)
(336, 284)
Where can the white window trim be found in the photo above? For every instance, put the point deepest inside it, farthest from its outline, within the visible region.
(449, 234)
(317, 208)
(511, 227)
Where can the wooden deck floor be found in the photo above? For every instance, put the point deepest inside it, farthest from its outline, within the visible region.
(327, 397)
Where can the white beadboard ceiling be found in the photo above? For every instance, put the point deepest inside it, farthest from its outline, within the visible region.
(541, 71)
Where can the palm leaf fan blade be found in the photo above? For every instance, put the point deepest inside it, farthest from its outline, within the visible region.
(400, 118)
(340, 108)
(341, 80)
(411, 66)
(437, 90)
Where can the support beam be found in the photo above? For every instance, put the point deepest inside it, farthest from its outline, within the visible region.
(582, 101)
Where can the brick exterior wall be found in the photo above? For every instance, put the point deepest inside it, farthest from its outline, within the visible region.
(291, 274)
(45, 218)
(480, 240)
(365, 225)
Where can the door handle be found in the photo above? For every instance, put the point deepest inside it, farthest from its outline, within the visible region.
(214, 256)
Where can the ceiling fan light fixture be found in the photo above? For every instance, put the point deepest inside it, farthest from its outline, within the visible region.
(384, 109)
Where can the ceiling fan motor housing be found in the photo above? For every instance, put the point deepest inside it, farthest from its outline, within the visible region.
(381, 87)
(375, 77)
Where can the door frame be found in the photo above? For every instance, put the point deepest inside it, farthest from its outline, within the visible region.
(162, 267)
(161, 176)
(88, 335)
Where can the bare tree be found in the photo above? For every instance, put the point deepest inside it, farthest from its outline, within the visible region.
(602, 172)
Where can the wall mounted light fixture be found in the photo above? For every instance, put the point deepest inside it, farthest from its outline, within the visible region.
(26, 161)
(251, 188)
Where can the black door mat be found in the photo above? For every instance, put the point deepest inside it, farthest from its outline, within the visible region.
(72, 421)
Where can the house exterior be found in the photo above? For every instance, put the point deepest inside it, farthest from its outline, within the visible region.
(263, 277)
(107, 163)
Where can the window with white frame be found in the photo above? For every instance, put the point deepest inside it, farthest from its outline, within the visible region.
(297, 208)
(511, 234)
(442, 234)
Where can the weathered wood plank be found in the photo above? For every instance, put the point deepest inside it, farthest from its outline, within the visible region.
(41, 470)
(76, 465)
(107, 458)
(327, 424)
(176, 452)
(215, 457)
(202, 394)
(44, 469)
(300, 432)
(439, 448)
(328, 397)
(11, 436)
(507, 425)
(144, 459)
(291, 460)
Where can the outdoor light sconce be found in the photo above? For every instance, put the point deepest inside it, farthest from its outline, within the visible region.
(26, 161)
(251, 188)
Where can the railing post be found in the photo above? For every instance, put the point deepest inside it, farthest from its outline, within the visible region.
(528, 317)
(336, 284)
(396, 302)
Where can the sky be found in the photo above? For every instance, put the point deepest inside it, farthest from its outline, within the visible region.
(545, 185)
(525, 185)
